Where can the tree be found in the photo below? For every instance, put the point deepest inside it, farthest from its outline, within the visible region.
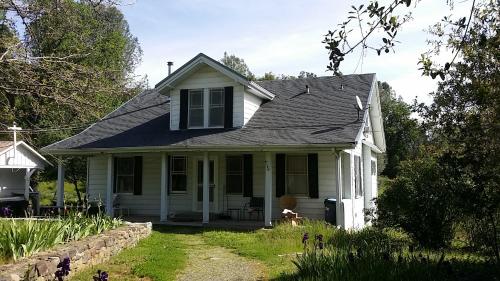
(378, 26)
(462, 127)
(237, 64)
(68, 64)
(71, 66)
(463, 122)
(403, 134)
(305, 74)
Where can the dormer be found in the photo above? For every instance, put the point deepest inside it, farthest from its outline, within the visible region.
(206, 94)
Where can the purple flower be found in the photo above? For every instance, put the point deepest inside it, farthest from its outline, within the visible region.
(101, 276)
(319, 241)
(5, 212)
(63, 269)
(305, 238)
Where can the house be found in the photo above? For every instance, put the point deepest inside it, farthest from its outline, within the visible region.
(206, 140)
(18, 162)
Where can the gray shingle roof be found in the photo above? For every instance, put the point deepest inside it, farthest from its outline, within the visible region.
(325, 116)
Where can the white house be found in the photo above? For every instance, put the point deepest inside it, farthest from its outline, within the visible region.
(18, 162)
(206, 140)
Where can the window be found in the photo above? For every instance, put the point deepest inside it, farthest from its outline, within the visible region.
(374, 168)
(124, 181)
(196, 111)
(234, 174)
(358, 182)
(216, 107)
(178, 172)
(296, 175)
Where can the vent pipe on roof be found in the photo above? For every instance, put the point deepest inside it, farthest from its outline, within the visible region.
(170, 63)
(307, 89)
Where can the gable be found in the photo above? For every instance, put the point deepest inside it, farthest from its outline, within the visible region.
(202, 60)
(24, 157)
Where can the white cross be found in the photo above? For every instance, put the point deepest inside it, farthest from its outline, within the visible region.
(15, 128)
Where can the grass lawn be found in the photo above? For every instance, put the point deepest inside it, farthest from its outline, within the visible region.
(276, 248)
(158, 257)
(348, 255)
(47, 191)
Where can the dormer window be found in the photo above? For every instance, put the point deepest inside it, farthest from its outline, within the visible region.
(216, 110)
(206, 108)
(196, 108)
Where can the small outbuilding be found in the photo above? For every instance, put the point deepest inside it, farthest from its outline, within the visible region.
(18, 162)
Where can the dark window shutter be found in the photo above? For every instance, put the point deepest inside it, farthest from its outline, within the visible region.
(280, 175)
(228, 107)
(183, 113)
(138, 175)
(115, 162)
(247, 175)
(169, 178)
(312, 165)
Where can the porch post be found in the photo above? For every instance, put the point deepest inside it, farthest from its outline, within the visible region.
(206, 194)
(60, 183)
(163, 189)
(366, 154)
(109, 187)
(338, 206)
(27, 184)
(268, 193)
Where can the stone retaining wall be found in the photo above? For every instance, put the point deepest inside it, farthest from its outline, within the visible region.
(88, 251)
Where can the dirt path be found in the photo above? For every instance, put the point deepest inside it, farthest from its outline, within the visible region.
(207, 262)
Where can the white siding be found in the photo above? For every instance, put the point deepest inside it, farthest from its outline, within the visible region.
(251, 105)
(206, 77)
(149, 202)
(11, 181)
(24, 158)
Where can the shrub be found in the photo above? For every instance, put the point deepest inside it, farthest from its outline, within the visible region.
(419, 202)
(372, 254)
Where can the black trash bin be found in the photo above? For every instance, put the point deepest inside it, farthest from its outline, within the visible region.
(331, 210)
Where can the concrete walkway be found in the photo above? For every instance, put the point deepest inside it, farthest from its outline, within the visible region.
(207, 262)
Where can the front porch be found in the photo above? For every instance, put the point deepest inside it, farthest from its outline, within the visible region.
(218, 186)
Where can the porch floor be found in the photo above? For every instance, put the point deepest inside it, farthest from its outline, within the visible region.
(218, 223)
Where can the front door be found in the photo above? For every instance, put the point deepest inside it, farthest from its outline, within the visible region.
(199, 183)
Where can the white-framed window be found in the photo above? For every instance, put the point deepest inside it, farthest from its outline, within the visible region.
(216, 107)
(178, 174)
(124, 180)
(296, 175)
(358, 181)
(234, 174)
(196, 108)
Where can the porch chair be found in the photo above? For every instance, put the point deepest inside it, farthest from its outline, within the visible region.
(118, 207)
(255, 205)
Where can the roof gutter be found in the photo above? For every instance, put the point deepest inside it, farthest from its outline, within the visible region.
(258, 148)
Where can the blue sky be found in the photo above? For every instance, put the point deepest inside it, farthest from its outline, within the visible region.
(278, 36)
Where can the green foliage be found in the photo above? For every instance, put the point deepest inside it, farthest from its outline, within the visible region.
(47, 190)
(22, 238)
(403, 134)
(418, 201)
(237, 64)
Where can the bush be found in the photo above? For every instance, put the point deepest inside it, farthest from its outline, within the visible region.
(21, 238)
(373, 254)
(419, 202)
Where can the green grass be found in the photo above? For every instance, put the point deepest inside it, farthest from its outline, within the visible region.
(47, 191)
(276, 247)
(369, 254)
(159, 257)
